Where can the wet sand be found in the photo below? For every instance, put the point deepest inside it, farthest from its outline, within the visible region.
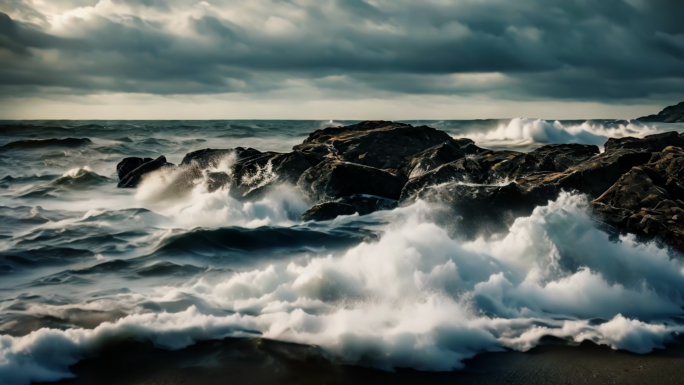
(235, 361)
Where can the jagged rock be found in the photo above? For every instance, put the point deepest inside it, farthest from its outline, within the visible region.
(129, 164)
(647, 199)
(378, 144)
(592, 177)
(564, 156)
(671, 114)
(431, 158)
(473, 169)
(254, 176)
(333, 179)
(210, 158)
(134, 177)
(327, 210)
(362, 204)
(652, 143)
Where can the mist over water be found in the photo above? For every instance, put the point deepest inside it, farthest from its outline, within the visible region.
(83, 264)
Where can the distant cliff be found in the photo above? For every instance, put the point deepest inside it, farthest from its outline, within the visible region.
(671, 114)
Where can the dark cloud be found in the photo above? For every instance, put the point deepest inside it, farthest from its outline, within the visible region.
(608, 50)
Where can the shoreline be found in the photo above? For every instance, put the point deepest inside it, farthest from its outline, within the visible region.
(259, 361)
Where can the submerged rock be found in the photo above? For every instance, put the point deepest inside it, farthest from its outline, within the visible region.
(333, 179)
(135, 176)
(378, 144)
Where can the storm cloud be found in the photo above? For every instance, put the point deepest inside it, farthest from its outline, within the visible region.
(609, 51)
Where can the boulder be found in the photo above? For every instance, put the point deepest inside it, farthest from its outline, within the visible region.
(592, 177)
(647, 199)
(358, 203)
(327, 210)
(564, 156)
(473, 170)
(135, 176)
(333, 179)
(652, 143)
(378, 144)
(210, 158)
(431, 158)
(129, 164)
(254, 176)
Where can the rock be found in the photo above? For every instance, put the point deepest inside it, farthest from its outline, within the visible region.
(210, 158)
(475, 169)
(546, 159)
(564, 156)
(671, 114)
(333, 179)
(134, 177)
(647, 199)
(254, 176)
(378, 144)
(129, 164)
(327, 210)
(431, 158)
(592, 177)
(652, 143)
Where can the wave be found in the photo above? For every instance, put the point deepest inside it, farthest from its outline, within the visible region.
(413, 298)
(43, 143)
(523, 131)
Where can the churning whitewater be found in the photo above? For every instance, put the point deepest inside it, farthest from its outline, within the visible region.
(174, 262)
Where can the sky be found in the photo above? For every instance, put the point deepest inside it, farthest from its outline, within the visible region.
(339, 59)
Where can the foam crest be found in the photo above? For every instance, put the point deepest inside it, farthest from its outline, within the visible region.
(523, 131)
(417, 298)
(183, 194)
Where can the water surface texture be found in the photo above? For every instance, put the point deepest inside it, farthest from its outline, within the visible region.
(84, 265)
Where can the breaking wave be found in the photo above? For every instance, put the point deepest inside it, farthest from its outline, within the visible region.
(523, 131)
(412, 298)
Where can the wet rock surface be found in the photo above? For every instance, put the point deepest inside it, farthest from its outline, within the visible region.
(378, 144)
(637, 184)
(135, 176)
(333, 179)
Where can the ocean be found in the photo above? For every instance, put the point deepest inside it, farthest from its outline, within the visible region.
(88, 270)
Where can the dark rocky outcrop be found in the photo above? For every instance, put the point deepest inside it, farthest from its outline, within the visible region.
(671, 114)
(210, 158)
(474, 170)
(592, 177)
(652, 143)
(431, 158)
(333, 179)
(377, 144)
(647, 200)
(361, 204)
(564, 156)
(135, 176)
(254, 176)
(129, 164)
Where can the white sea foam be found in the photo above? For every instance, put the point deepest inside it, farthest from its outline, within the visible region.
(523, 131)
(415, 298)
(183, 196)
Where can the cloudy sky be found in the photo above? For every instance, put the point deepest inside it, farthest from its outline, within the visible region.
(339, 59)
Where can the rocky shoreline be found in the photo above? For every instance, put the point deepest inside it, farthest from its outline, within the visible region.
(635, 185)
